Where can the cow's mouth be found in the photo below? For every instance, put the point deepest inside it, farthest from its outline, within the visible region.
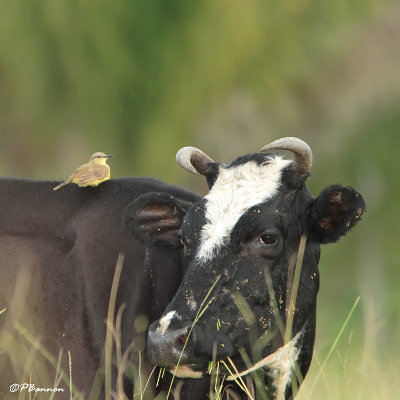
(186, 371)
(282, 361)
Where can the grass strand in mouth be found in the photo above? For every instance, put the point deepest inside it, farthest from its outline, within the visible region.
(215, 383)
(259, 384)
(240, 383)
(241, 379)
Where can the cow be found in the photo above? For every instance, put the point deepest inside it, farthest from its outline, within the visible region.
(246, 307)
(212, 276)
(58, 255)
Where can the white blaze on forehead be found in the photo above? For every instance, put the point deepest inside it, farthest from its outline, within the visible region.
(236, 190)
(164, 322)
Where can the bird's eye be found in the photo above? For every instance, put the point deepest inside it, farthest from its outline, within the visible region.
(269, 239)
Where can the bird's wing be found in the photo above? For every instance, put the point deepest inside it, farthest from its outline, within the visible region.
(91, 173)
(73, 177)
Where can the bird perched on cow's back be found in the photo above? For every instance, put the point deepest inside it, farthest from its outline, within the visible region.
(90, 174)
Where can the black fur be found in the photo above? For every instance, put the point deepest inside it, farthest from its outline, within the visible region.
(336, 210)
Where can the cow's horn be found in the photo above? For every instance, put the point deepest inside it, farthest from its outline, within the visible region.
(193, 160)
(300, 149)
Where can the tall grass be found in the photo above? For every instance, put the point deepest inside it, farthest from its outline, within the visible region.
(333, 347)
(345, 371)
(352, 369)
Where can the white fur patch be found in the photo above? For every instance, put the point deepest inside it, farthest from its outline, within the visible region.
(164, 322)
(283, 365)
(236, 190)
(192, 304)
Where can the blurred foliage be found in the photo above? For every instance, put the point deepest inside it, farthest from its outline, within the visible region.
(140, 79)
(132, 77)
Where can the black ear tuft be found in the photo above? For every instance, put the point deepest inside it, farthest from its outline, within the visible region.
(336, 210)
(211, 173)
(156, 218)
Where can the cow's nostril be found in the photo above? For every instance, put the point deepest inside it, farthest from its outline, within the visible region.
(181, 341)
(166, 348)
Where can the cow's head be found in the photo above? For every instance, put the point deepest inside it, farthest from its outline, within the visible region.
(241, 242)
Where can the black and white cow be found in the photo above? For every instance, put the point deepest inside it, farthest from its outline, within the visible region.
(58, 252)
(241, 242)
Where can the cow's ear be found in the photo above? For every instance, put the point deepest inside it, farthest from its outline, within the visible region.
(333, 213)
(156, 218)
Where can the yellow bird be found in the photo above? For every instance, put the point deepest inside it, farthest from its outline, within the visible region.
(90, 174)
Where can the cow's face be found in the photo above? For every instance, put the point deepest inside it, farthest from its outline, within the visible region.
(241, 243)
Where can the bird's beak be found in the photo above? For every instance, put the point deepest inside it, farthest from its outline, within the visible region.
(108, 155)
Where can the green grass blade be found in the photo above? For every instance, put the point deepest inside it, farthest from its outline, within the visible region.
(294, 289)
(23, 332)
(233, 375)
(70, 374)
(110, 319)
(334, 344)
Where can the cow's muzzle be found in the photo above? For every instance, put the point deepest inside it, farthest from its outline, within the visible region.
(167, 346)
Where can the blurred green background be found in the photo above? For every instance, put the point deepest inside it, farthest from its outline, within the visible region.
(140, 79)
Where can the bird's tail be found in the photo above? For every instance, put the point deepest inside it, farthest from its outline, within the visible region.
(61, 185)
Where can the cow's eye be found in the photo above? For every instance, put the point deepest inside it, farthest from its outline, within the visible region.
(269, 239)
